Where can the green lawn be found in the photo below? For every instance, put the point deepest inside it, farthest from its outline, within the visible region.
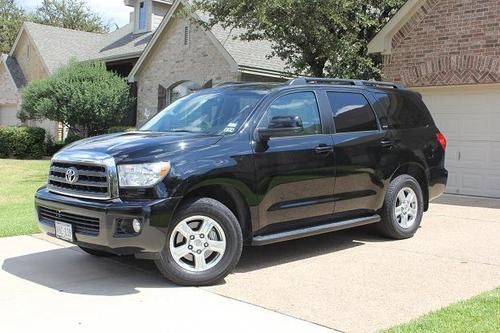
(478, 314)
(19, 179)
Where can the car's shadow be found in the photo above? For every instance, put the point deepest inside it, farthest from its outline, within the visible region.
(69, 270)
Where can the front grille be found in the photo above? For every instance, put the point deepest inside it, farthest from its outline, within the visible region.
(92, 181)
(81, 224)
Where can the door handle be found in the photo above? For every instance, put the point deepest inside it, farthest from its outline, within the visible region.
(386, 143)
(323, 149)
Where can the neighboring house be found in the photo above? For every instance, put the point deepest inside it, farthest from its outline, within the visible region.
(179, 58)
(183, 57)
(11, 80)
(449, 50)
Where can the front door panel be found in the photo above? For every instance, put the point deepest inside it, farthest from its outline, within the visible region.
(295, 174)
(294, 181)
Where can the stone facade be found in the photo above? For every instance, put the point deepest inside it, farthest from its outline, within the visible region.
(447, 42)
(172, 62)
(29, 59)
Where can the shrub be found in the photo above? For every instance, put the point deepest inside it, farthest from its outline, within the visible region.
(71, 138)
(22, 142)
(82, 96)
(118, 129)
(53, 146)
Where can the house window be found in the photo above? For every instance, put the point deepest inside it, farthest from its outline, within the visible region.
(142, 16)
(186, 35)
(182, 89)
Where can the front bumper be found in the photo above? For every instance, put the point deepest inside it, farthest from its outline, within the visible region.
(155, 215)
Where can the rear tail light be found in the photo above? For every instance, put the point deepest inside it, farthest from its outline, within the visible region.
(441, 139)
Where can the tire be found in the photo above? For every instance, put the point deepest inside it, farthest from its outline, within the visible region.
(96, 253)
(223, 228)
(393, 224)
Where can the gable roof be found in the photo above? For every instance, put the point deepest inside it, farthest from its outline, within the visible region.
(382, 42)
(10, 71)
(14, 71)
(245, 56)
(57, 46)
(121, 44)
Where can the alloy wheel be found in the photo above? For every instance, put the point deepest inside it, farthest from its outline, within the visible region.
(197, 243)
(406, 209)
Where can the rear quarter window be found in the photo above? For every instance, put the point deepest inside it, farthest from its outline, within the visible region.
(403, 111)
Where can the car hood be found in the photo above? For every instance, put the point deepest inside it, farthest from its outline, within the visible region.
(138, 146)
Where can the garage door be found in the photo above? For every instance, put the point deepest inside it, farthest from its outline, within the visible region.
(469, 117)
(8, 115)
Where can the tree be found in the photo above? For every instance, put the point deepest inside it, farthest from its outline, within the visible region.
(11, 19)
(83, 96)
(315, 37)
(71, 14)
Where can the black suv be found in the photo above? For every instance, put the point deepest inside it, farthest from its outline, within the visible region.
(248, 164)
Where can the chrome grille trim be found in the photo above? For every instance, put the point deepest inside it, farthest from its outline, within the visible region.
(97, 175)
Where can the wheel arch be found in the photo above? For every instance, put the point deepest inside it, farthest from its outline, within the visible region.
(417, 171)
(228, 195)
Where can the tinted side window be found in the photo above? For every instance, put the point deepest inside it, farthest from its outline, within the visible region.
(403, 111)
(302, 104)
(352, 112)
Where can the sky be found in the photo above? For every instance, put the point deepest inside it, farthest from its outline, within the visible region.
(112, 11)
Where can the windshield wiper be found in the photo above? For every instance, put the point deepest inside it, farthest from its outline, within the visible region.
(180, 131)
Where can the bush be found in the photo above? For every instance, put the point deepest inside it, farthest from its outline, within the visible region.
(71, 138)
(52, 146)
(118, 129)
(82, 96)
(22, 142)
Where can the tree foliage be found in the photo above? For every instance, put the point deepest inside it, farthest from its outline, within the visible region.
(82, 96)
(11, 19)
(316, 37)
(71, 14)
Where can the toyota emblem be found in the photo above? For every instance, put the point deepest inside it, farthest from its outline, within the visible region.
(71, 175)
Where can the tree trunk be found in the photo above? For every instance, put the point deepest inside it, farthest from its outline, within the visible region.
(317, 70)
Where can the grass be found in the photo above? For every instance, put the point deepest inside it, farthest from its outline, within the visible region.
(478, 314)
(19, 179)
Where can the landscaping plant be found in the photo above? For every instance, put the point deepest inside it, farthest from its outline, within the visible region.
(82, 96)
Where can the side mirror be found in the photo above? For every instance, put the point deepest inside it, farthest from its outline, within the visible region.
(281, 126)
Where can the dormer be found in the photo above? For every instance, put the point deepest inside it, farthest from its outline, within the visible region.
(147, 14)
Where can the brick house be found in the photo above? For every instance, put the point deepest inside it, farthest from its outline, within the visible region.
(173, 58)
(183, 57)
(449, 51)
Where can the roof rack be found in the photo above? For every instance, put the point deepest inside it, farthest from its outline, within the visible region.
(229, 83)
(302, 80)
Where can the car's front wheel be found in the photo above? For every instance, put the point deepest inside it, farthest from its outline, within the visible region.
(403, 208)
(203, 244)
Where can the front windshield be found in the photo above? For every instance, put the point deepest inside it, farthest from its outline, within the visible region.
(213, 112)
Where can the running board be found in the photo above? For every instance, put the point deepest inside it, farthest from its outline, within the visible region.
(314, 230)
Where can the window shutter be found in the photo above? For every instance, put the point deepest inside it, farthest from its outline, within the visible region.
(186, 36)
(162, 97)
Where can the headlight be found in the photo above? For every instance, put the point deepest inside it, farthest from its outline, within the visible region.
(142, 175)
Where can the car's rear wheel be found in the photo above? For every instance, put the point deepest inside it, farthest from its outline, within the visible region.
(403, 208)
(203, 245)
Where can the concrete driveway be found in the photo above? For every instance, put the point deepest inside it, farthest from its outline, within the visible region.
(348, 281)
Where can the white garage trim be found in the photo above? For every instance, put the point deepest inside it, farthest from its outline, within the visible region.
(469, 117)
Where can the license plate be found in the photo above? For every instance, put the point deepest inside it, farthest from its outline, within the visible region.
(64, 231)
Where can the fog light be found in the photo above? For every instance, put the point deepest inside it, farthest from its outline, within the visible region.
(137, 226)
